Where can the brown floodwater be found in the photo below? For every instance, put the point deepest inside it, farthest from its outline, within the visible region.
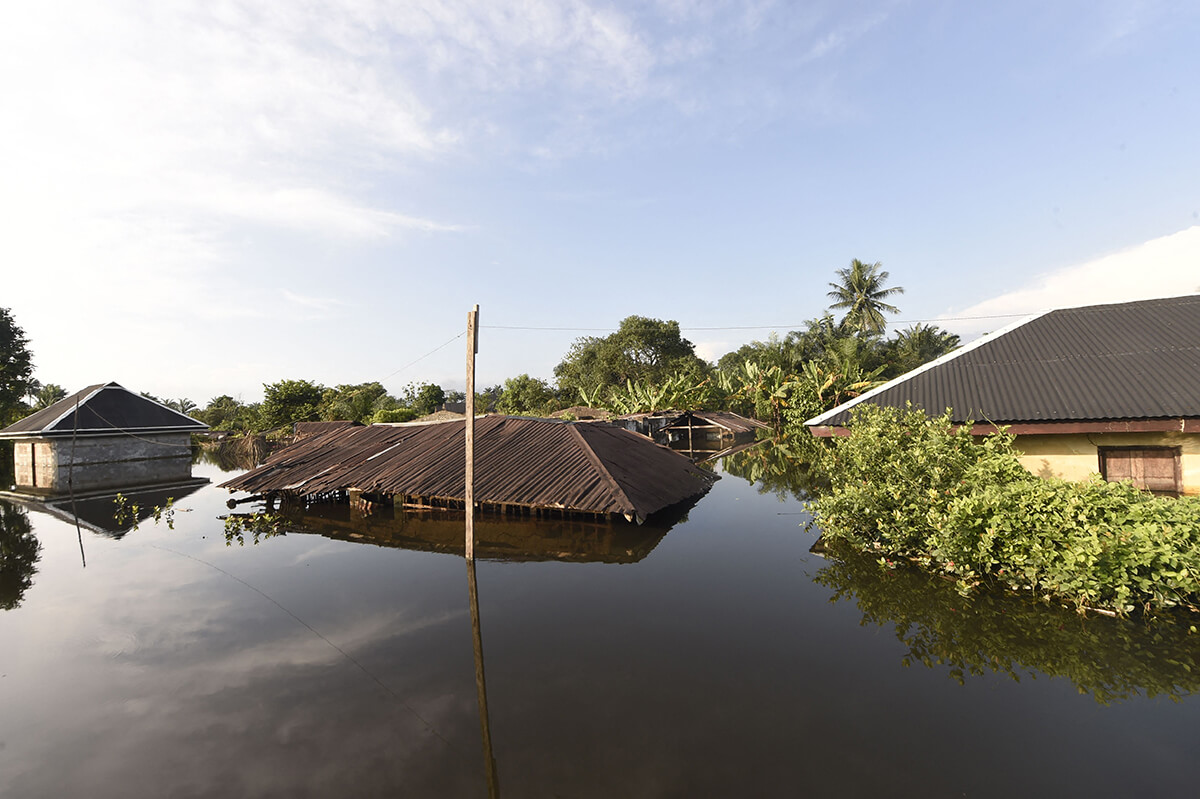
(716, 657)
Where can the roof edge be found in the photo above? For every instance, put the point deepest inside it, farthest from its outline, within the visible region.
(822, 418)
(79, 402)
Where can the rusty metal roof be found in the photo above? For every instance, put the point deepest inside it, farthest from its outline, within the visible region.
(540, 463)
(104, 409)
(734, 423)
(1128, 361)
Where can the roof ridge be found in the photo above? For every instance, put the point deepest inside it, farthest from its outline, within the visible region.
(598, 464)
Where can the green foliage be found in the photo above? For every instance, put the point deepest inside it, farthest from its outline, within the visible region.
(48, 394)
(525, 395)
(290, 401)
(221, 413)
(393, 415)
(16, 369)
(130, 512)
(261, 525)
(641, 349)
(917, 345)
(425, 398)
(907, 486)
(183, 405)
(675, 392)
(355, 403)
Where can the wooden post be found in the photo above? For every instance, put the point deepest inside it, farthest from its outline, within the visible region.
(469, 495)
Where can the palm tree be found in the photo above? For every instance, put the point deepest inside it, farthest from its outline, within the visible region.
(920, 344)
(861, 293)
(47, 395)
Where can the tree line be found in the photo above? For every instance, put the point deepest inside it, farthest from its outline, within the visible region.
(645, 365)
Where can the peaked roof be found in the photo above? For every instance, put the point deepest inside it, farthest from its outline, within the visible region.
(1127, 361)
(733, 422)
(587, 467)
(104, 409)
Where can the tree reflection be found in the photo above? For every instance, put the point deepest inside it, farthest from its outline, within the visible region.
(1111, 659)
(235, 454)
(786, 467)
(19, 553)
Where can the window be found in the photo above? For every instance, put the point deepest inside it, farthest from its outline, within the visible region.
(1155, 469)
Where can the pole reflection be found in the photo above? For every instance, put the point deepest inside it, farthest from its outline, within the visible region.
(489, 760)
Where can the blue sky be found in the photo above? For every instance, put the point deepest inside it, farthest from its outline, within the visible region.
(203, 197)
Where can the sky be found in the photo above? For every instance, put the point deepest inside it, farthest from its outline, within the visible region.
(203, 197)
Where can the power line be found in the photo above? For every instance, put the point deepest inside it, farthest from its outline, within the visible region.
(426, 355)
(751, 327)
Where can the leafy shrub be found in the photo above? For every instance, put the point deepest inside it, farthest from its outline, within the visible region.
(393, 415)
(904, 485)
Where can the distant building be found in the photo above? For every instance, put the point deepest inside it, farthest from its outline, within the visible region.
(694, 427)
(1108, 389)
(103, 437)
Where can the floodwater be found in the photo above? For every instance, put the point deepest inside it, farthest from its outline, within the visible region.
(717, 658)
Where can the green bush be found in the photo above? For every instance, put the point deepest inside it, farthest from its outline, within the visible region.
(393, 415)
(907, 486)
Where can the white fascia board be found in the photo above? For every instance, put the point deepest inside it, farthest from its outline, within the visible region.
(71, 408)
(817, 421)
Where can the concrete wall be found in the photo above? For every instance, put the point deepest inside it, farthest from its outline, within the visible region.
(100, 462)
(1074, 457)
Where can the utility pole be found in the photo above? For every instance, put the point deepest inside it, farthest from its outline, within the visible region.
(469, 498)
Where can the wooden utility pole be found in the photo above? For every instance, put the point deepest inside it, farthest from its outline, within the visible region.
(469, 498)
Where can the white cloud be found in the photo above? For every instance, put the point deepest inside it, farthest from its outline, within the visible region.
(1163, 267)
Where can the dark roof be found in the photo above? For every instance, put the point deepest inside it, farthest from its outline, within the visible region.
(732, 422)
(1129, 361)
(542, 463)
(104, 409)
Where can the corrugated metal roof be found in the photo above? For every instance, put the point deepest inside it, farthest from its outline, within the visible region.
(542, 463)
(1134, 360)
(104, 409)
(734, 423)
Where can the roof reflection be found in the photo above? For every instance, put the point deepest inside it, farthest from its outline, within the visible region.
(496, 538)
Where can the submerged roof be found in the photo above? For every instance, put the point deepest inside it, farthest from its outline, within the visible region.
(104, 409)
(734, 423)
(1128, 361)
(587, 467)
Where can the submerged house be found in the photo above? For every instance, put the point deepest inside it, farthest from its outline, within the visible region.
(523, 466)
(696, 427)
(103, 437)
(1108, 389)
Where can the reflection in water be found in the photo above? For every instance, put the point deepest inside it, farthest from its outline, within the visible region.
(237, 453)
(106, 516)
(19, 553)
(496, 538)
(785, 467)
(1111, 659)
(489, 759)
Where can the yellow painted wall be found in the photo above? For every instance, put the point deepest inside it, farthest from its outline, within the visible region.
(1074, 457)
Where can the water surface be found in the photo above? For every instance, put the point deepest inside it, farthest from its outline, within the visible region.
(719, 657)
